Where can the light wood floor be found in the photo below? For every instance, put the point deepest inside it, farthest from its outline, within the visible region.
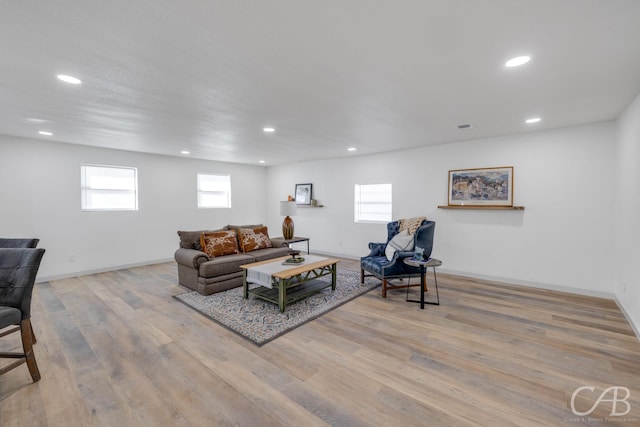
(115, 349)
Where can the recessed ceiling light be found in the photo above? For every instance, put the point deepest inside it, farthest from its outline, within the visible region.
(269, 129)
(45, 133)
(184, 152)
(533, 120)
(261, 161)
(69, 79)
(517, 61)
(36, 121)
(351, 149)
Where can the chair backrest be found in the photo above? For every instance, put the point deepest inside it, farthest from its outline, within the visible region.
(423, 237)
(393, 228)
(18, 243)
(18, 270)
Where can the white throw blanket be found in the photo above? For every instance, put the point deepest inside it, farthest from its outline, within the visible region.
(261, 275)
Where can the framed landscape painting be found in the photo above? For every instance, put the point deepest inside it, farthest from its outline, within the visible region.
(483, 186)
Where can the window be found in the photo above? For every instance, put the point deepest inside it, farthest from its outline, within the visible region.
(214, 191)
(109, 188)
(372, 203)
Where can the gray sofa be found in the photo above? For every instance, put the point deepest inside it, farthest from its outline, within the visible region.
(210, 275)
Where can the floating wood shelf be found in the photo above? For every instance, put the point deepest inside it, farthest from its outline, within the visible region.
(482, 207)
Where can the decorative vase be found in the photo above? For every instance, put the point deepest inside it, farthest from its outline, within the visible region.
(287, 227)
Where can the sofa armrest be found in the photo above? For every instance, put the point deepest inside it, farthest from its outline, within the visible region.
(376, 249)
(278, 242)
(190, 257)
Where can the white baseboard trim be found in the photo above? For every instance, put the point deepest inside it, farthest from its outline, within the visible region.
(101, 270)
(636, 329)
(531, 284)
(335, 254)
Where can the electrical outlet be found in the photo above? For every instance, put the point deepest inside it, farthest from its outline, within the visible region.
(72, 257)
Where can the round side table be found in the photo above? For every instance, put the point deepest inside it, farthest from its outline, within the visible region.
(424, 265)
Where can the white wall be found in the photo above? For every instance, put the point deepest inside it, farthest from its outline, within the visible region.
(627, 250)
(563, 239)
(564, 178)
(40, 197)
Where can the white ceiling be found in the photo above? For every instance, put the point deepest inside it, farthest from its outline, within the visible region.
(161, 76)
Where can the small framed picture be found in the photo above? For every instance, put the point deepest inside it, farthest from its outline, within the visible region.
(303, 194)
(485, 187)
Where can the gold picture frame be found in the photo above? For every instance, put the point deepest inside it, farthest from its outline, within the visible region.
(481, 187)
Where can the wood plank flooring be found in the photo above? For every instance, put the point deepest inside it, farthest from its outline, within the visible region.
(115, 349)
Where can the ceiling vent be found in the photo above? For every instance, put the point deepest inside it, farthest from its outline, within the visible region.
(465, 126)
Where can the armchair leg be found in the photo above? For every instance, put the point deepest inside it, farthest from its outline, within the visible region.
(384, 288)
(33, 335)
(362, 276)
(27, 344)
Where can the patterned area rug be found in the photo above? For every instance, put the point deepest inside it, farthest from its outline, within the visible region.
(260, 321)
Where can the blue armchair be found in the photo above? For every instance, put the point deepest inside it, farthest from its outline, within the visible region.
(377, 265)
(18, 243)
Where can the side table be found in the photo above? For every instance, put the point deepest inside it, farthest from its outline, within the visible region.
(424, 265)
(295, 239)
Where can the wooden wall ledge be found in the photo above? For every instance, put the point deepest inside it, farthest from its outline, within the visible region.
(482, 207)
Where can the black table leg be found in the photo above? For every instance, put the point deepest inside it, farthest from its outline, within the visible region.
(422, 284)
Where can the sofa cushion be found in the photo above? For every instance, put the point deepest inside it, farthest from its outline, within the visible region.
(224, 265)
(253, 238)
(403, 241)
(374, 264)
(218, 243)
(235, 227)
(269, 253)
(190, 239)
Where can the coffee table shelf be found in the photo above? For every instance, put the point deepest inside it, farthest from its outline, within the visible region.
(288, 283)
(293, 294)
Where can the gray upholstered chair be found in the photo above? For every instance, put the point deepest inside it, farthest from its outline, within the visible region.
(18, 270)
(376, 263)
(18, 243)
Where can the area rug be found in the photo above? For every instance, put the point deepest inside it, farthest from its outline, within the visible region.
(260, 321)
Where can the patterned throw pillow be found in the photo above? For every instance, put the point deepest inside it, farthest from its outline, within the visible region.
(218, 243)
(411, 224)
(403, 241)
(254, 238)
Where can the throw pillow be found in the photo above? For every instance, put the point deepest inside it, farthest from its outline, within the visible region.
(218, 243)
(411, 224)
(254, 238)
(403, 241)
(190, 239)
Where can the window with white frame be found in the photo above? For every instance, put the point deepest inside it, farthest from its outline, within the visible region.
(372, 203)
(109, 188)
(214, 191)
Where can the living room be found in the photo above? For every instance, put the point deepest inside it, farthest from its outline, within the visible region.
(577, 232)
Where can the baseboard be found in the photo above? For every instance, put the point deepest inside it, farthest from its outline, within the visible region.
(335, 254)
(531, 284)
(100, 270)
(636, 329)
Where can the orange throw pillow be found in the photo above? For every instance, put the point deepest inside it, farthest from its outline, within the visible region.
(254, 238)
(218, 243)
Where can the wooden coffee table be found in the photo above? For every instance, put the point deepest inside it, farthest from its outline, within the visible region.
(285, 284)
